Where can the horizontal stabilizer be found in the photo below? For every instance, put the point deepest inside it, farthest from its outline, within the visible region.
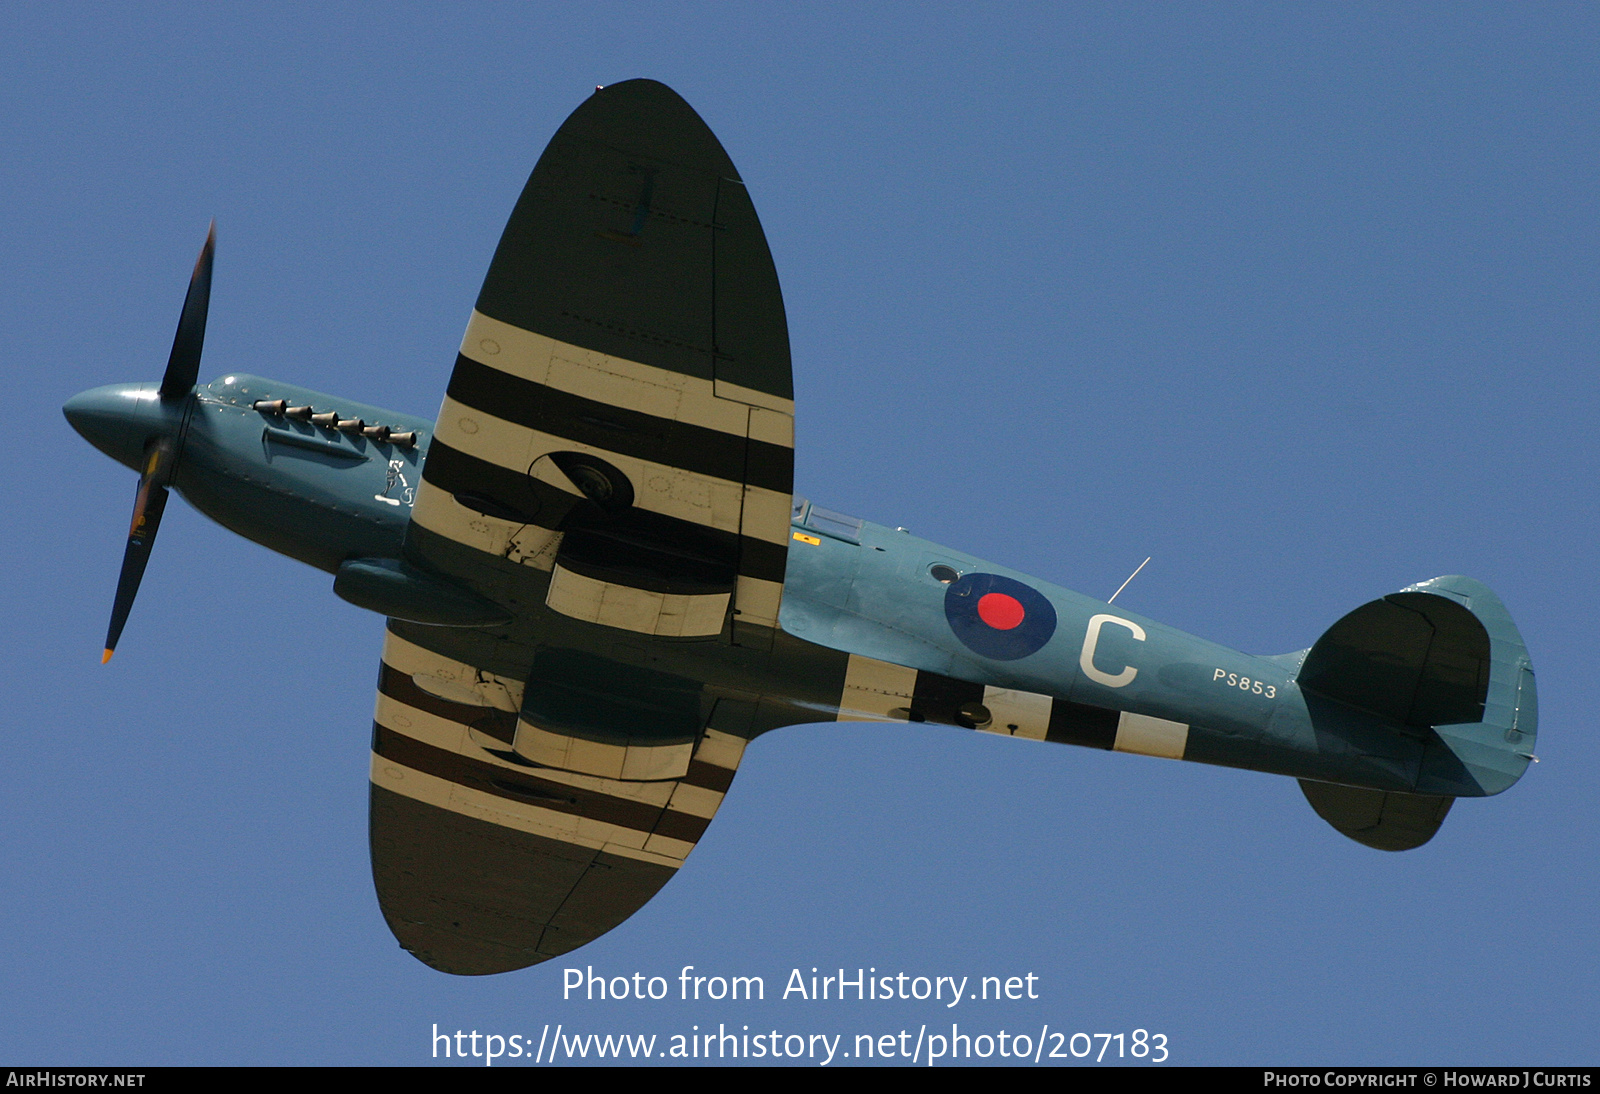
(1412, 658)
(1387, 820)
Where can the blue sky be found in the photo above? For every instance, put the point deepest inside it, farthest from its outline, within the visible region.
(1299, 300)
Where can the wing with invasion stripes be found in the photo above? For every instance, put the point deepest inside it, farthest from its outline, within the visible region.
(486, 862)
(621, 414)
(613, 462)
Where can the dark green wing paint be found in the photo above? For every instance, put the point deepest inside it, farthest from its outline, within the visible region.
(471, 897)
(635, 237)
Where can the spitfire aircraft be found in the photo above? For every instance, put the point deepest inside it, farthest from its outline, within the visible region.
(600, 585)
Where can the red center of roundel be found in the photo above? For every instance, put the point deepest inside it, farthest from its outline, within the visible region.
(1000, 611)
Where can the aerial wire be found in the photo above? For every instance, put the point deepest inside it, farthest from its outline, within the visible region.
(1131, 576)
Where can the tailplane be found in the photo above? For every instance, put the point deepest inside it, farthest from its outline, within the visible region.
(1444, 661)
(1385, 819)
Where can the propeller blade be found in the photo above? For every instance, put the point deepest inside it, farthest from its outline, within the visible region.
(148, 506)
(183, 367)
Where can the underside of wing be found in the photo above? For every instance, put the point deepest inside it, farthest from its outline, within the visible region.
(486, 861)
(619, 424)
(613, 466)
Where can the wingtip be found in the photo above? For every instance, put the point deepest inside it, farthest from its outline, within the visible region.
(106, 656)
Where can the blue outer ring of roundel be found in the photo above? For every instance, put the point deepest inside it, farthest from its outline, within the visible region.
(961, 610)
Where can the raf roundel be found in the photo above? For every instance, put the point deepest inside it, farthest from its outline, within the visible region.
(997, 617)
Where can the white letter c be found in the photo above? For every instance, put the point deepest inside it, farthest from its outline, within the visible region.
(1092, 639)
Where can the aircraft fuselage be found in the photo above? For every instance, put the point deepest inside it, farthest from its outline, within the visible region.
(932, 634)
(313, 493)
